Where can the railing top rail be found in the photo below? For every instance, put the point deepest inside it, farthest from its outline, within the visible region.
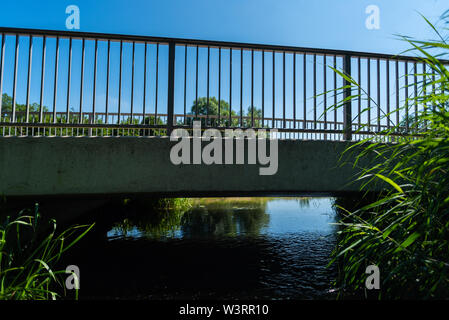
(206, 43)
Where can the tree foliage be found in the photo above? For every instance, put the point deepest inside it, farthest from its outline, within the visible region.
(222, 110)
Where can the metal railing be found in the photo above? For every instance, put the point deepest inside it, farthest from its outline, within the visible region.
(118, 85)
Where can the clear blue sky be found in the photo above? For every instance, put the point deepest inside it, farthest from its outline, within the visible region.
(307, 23)
(318, 23)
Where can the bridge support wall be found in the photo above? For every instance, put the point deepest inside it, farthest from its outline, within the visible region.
(58, 166)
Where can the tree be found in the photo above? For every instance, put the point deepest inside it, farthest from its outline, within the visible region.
(7, 105)
(254, 114)
(201, 107)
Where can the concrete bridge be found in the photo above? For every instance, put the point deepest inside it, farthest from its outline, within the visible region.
(67, 166)
(115, 99)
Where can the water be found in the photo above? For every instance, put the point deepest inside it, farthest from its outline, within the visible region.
(254, 248)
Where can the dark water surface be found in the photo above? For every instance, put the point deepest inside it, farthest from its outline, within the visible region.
(248, 248)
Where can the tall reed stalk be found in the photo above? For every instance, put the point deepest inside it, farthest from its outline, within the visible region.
(405, 231)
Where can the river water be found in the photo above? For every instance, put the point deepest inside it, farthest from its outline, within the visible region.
(223, 248)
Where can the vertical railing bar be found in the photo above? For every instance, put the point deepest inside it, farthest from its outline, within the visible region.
(294, 90)
(442, 88)
(397, 92)
(263, 88)
(82, 81)
(284, 123)
(388, 93)
(305, 91)
(325, 89)
(207, 86)
(241, 87)
(69, 72)
(415, 87)
(406, 97)
(219, 85)
(433, 88)
(347, 112)
(252, 88)
(94, 91)
(335, 93)
(157, 83)
(55, 87)
(424, 67)
(369, 93)
(16, 56)
(274, 89)
(30, 54)
(230, 87)
(185, 83)
(2, 62)
(196, 84)
(120, 86)
(171, 87)
(378, 95)
(359, 100)
(44, 47)
(132, 81)
(314, 91)
(144, 85)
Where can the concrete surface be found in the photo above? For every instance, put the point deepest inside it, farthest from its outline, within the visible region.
(58, 166)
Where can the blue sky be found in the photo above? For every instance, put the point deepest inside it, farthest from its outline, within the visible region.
(318, 23)
(327, 24)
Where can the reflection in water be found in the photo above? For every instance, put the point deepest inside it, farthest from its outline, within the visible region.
(225, 218)
(231, 248)
(157, 224)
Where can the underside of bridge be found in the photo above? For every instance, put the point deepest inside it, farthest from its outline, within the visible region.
(97, 166)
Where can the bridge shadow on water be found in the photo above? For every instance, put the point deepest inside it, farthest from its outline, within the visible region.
(234, 248)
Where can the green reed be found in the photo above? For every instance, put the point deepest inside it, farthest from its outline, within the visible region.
(405, 230)
(29, 252)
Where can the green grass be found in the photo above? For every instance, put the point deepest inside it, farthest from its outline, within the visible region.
(29, 251)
